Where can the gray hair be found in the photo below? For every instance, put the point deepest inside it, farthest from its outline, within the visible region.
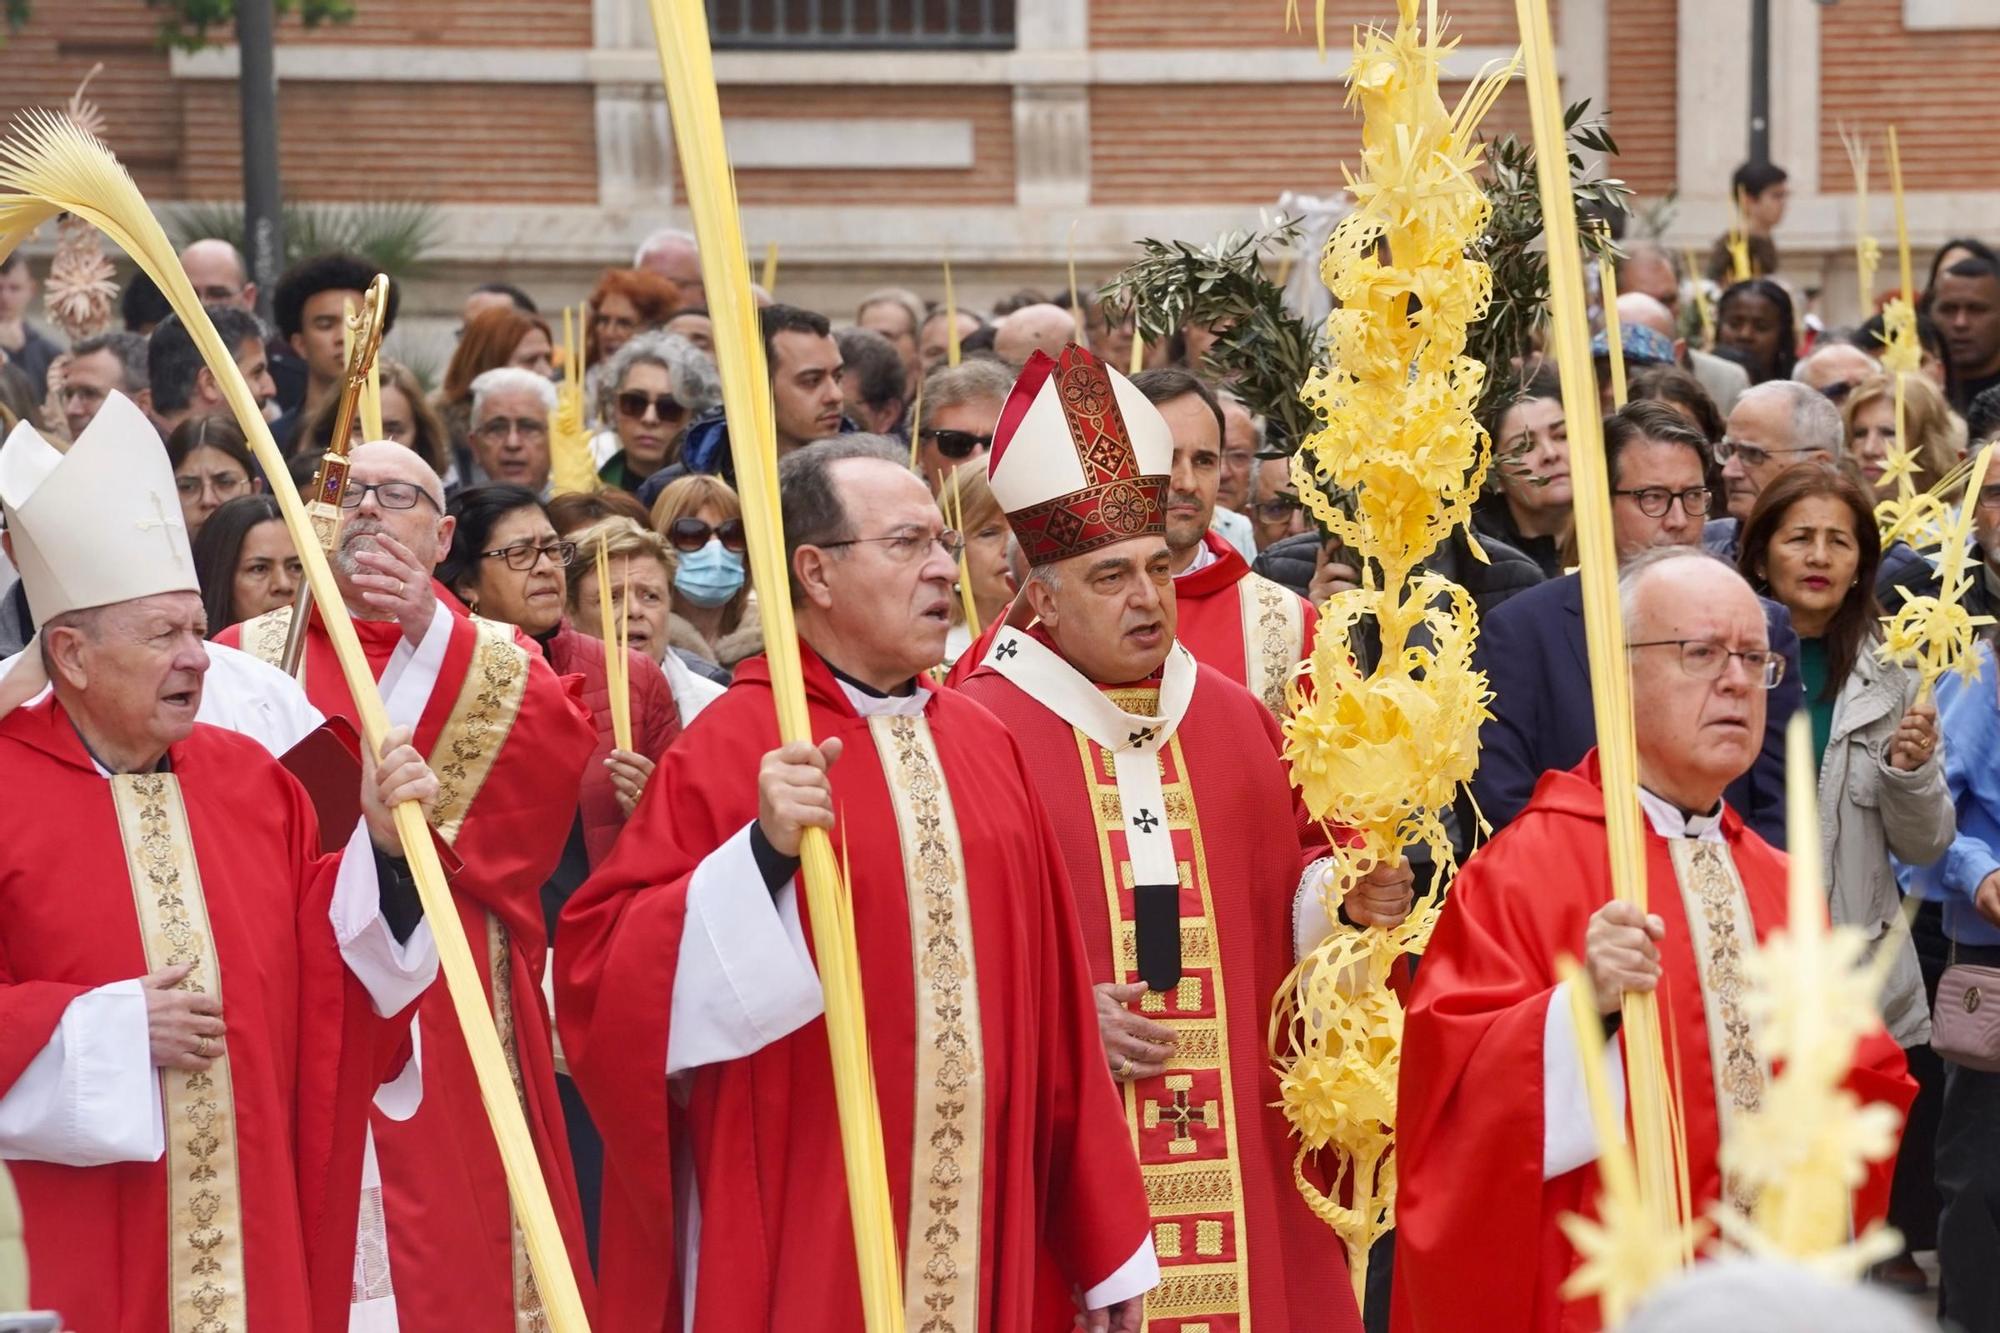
(696, 384)
(966, 382)
(1768, 1296)
(1633, 574)
(1047, 575)
(1815, 420)
(510, 379)
(808, 501)
(910, 303)
(660, 239)
(129, 348)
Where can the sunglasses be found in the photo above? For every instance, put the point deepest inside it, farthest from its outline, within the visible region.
(957, 444)
(691, 534)
(666, 407)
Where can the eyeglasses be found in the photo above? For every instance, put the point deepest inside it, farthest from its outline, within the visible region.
(218, 295)
(222, 485)
(957, 444)
(388, 494)
(1655, 501)
(1753, 455)
(1705, 660)
(691, 534)
(496, 429)
(1989, 497)
(666, 407)
(1278, 508)
(907, 547)
(523, 555)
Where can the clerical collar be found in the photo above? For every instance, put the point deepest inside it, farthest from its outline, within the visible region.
(871, 702)
(1670, 821)
(1203, 558)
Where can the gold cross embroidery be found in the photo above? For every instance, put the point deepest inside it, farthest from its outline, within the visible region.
(1183, 1114)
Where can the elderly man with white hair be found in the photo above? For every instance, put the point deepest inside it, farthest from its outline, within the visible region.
(195, 1005)
(1833, 369)
(1494, 1134)
(1774, 425)
(510, 428)
(674, 255)
(514, 740)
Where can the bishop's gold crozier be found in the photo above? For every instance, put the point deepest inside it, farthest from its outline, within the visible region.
(364, 340)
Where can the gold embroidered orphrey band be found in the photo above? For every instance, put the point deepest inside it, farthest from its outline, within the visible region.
(1721, 933)
(1183, 1121)
(948, 1133)
(204, 1202)
(1273, 638)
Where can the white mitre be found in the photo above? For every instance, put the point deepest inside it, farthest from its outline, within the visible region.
(97, 524)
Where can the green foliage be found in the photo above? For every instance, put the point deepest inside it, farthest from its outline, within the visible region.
(1513, 248)
(396, 236)
(186, 24)
(1264, 351)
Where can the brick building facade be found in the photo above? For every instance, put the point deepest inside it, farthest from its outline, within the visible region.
(538, 127)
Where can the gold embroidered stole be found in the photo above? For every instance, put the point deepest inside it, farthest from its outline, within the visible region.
(1721, 934)
(948, 1132)
(204, 1205)
(1273, 637)
(263, 637)
(1183, 1122)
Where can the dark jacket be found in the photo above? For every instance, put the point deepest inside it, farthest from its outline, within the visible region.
(1532, 651)
(704, 448)
(1919, 575)
(1494, 522)
(1719, 537)
(16, 625)
(1291, 561)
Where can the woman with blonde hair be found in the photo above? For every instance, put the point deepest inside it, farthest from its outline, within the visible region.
(1932, 433)
(702, 520)
(988, 539)
(641, 567)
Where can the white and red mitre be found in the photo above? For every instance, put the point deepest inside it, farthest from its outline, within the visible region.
(95, 524)
(1080, 458)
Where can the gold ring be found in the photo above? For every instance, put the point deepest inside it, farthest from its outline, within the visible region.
(1124, 1066)
(201, 1046)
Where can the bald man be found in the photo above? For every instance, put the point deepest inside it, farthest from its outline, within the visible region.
(1033, 328)
(1724, 380)
(511, 739)
(672, 254)
(1835, 368)
(1649, 270)
(221, 277)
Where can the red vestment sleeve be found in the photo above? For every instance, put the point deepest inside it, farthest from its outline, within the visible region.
(29, 1014)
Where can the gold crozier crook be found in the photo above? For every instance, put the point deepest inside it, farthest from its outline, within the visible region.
(364, 339)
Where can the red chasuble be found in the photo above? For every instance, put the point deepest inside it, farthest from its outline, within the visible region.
(1477, 1242)
(1245, 626)
(1234, 1236)
(508, 739)
(1055, 1182)
(278, 1176)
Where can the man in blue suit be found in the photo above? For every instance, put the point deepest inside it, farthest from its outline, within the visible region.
(1532, 647)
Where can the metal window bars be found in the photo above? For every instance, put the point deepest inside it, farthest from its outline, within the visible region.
(869, 25)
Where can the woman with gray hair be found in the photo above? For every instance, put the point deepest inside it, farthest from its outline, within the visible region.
(648, 392)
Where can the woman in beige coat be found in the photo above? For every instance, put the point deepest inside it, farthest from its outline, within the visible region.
(1811, 544)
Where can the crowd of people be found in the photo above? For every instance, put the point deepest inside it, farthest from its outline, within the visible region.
(1048, 617)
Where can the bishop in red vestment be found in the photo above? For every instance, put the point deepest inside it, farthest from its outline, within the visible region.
(1250, 629)
(194, 1002)
(509, 739)
(690, 1006)
(1189, 856)
(1494, 1136)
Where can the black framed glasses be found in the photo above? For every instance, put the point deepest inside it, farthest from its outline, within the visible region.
(669, 409)
(1753, 455)
(1705, 659)
(388, 494)
(1278, 508)
(691, 534)
(1655, 501)
(956, 444)
(523, 556)
(905, 547)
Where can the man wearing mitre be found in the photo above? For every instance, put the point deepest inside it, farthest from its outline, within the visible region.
(686, 980)
(195, 1005)
(509, 739)
(1493, 1133)
(1190, 858)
